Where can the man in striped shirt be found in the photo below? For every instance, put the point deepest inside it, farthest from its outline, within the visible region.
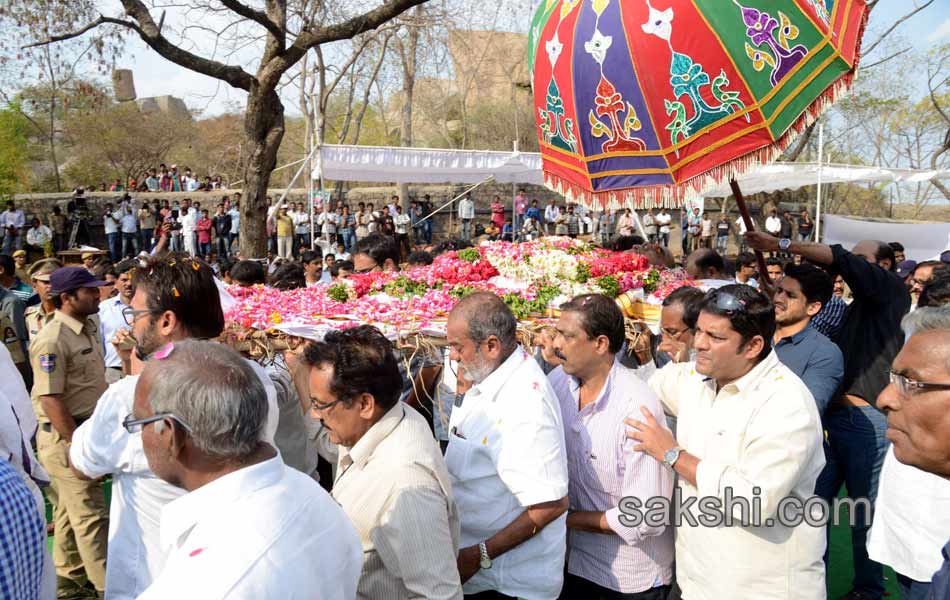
(607, 558)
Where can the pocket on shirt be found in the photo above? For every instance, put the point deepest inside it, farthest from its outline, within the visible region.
(457, 455)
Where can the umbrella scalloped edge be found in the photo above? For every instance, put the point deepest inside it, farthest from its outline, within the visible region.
(673, 196)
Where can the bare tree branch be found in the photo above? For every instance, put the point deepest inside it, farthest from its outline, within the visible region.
(257, 16)
(868, 49)
(884, 60)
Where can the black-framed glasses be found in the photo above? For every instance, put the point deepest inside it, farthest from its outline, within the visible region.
(366, 270)
(314, 405)
(133, 425)
(726, 301)
(673, 333)
(131, 315)
(907, 386)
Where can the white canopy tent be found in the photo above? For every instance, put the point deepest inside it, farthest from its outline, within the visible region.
(427, 165)
(423, 165)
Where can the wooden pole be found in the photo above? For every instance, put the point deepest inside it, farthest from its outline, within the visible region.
(749, 225)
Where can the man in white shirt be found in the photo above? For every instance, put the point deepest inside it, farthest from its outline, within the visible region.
(506, 458)
(747, 429)
(327, 222)
(12, 221)
(740, 233)
(110, 223)
(911, 520)
(189, 182)
(663, 221)
(235, 214)
(189, 221)
(129, 224)
(773, 225)
(111, 319)
(101, 445)
(37, 236)
(248, 526)
(608, 557)
(301, 229)
(466, 211)
(551, 213)
(391, 479)
(401, 222)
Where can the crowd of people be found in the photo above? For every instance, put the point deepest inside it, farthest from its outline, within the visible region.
(163, 179)
(565, 466)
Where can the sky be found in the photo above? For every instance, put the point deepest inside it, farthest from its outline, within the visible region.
(156, 76)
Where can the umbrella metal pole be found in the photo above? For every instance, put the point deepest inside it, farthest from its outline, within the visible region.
(749, 225)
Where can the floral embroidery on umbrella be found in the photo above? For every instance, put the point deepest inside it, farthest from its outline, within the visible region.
(557, 129)
(687, 78)
(608, 101)
(776, 35)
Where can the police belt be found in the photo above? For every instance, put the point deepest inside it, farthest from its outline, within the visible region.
(48, 427)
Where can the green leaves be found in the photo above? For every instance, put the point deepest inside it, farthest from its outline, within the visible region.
(338, 292)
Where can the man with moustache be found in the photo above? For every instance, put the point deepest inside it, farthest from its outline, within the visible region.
(918, 427)
(747, 428)
(506, 459)
(799, 296)
(175, 299)
(66, 356)
(608, 558)
(391, 479)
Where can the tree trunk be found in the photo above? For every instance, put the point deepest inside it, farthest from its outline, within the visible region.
(264, 129)
(52, 143)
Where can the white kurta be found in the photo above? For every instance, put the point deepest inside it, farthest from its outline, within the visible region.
(763, 431)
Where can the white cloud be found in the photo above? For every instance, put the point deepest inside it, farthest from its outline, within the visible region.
(941, 32)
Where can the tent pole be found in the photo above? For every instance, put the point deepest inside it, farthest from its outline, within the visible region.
(749, 225)
(453, 200)
(821, 146)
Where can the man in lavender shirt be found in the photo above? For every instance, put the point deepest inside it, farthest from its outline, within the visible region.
(608, 555)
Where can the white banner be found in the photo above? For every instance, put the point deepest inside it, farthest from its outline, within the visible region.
(922, 241)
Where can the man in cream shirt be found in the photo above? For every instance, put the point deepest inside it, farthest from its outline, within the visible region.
(747, 427)
(390, 479)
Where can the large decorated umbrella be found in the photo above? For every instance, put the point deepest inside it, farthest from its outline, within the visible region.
(650, 102)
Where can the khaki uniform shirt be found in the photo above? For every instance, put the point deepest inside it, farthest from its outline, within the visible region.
(10, 339)
(66, 356)
(36, 316)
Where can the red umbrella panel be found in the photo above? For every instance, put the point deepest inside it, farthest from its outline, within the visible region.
(652, 102)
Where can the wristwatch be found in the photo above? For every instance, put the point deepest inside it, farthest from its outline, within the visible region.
(485, 562)
(671, 456)
(783, 244)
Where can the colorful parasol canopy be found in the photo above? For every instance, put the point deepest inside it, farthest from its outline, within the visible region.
(652, 102)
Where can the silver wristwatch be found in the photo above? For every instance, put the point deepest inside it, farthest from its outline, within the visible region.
(671, 456)
(784, 244)
(485, 561)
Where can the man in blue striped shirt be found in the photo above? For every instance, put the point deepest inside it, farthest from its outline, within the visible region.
(22, 539)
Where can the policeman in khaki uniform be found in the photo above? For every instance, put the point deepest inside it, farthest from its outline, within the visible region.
(40, 314)
(66, 356)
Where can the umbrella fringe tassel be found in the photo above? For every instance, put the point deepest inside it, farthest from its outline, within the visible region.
(673, 196)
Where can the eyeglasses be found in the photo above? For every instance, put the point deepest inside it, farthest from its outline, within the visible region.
(366, 270)
(726, 301)
(907, 386)
(133, 425)
(131, 315)
(673, 333)
(323, 407)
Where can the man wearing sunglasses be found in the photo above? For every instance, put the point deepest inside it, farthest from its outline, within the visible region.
(870, 337)
(911, 523)
(747, 428)
(175, 299)
(66, 356)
